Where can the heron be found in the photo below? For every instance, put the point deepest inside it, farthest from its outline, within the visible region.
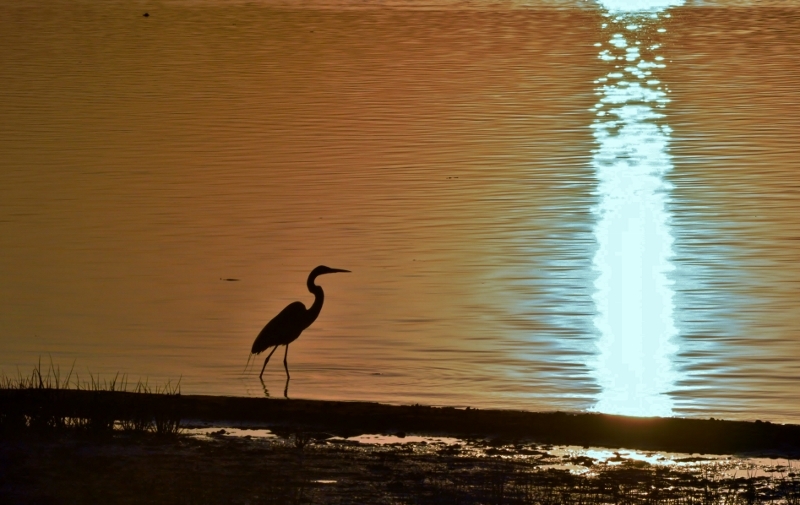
(284, 328)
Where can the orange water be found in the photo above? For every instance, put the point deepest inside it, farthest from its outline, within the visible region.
(446, 155)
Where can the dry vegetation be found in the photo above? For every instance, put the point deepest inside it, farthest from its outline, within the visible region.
(42, 402)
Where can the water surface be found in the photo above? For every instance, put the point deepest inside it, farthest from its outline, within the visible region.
(453, 156)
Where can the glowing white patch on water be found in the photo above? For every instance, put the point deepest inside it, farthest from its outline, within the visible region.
(633, 292)
(572, 458)
(616, 6)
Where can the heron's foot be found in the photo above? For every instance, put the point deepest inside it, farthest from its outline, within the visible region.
(286, 389)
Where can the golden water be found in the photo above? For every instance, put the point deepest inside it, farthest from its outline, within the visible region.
(504, 251)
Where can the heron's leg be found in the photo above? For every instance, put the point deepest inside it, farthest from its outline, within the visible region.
(267, 361)
(285, 365)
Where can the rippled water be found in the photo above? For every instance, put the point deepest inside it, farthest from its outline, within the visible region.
(545, 205)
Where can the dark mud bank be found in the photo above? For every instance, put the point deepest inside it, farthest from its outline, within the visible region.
(355, 418)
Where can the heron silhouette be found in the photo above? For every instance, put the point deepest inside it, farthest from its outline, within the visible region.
(284, 328)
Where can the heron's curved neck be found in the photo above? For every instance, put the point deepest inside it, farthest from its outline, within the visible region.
(319, 297)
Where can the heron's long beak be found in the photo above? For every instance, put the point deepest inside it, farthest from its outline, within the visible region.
(336, 270)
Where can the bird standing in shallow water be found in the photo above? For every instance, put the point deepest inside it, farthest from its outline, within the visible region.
(291, 321)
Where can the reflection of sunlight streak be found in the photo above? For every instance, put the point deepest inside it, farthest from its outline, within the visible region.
(617, 6)
(634, 296)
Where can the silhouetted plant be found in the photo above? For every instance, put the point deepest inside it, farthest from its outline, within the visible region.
(45, 401)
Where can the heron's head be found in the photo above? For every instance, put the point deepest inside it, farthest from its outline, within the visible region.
(322, 269)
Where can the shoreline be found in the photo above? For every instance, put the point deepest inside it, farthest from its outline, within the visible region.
(88, 447)
(710, 436)
(351, 418)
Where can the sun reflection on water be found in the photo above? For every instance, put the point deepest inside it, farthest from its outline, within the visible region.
(633, 290)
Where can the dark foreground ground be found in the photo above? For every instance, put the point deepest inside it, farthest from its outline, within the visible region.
(55, 456)
(76, 467)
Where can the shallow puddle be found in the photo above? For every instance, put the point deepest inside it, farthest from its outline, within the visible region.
(575, 459)
(401, 439)
(228, 431)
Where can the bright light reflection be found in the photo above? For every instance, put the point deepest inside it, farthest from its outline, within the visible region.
(633, 293)
(638, 6)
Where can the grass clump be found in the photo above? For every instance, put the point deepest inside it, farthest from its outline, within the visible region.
(46, 400)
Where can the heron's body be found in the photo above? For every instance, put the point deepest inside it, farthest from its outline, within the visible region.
(284, 328)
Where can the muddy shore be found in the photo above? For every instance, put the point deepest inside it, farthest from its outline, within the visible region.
(79, 468)
(354, 418)
(72, 447)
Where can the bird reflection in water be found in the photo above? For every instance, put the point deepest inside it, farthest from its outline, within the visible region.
(266, 391)
(287, 326)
